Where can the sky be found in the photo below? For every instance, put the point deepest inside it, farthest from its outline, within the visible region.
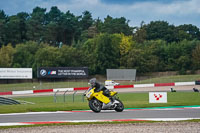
(176, 12)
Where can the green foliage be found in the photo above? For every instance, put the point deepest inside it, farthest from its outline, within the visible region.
(196, 57)
(25, 54)
(103, 52)
(116, 25)
(48, 56)
(6, 56)
(36, 24)
(72, 57)
(53, 38)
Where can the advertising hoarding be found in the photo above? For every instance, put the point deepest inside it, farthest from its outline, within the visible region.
(121, 74)
(62, 72)
(16, 73)
(157, 97)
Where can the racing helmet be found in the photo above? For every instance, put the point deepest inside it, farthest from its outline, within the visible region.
(92, 82)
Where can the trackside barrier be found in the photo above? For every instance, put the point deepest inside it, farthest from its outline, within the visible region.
(22, 92)
(6, 93)
(109, 87)
(124, 86)
(184, 83)
(81, 88)
(164, 84)
(143, 85)
(63, 89)
(41, 91)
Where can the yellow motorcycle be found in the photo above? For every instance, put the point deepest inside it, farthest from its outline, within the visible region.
(98, 101)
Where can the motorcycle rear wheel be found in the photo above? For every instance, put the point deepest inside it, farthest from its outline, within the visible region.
(120, 106)
(95, 105)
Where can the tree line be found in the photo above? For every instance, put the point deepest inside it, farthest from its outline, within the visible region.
(57, 39)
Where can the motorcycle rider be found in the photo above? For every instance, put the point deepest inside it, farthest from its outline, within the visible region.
(99, 87)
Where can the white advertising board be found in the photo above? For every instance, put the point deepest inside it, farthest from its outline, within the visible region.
(157, 97)
(15, 73)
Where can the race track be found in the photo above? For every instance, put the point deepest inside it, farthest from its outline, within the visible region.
(161, 114)
(158, 114)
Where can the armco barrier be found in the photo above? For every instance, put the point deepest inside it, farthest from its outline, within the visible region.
(22, 92)
(124, 86)
(184, 83)
(41, 91)
(109, 87)
(6, 93)
(63, 89)
(143, 85)
(164, 84)
(81, 88)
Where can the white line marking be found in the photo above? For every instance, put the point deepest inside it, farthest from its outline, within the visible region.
(32, 113)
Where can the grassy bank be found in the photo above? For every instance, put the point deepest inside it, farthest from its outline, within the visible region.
(130, 100)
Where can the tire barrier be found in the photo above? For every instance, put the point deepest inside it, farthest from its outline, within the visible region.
(8, 101)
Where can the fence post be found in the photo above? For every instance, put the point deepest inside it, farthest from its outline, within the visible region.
(64, 95)
(83, 95)
(74, 95)
(55, 100)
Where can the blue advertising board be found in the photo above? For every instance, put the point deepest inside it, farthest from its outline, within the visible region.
(62, 72)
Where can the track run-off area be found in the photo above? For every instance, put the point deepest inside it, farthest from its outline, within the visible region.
(176, 113)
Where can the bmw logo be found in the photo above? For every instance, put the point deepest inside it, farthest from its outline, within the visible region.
(43, 72)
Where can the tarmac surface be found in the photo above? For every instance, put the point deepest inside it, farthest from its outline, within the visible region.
(146, 114)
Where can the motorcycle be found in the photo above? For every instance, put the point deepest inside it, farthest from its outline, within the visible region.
(98, 101)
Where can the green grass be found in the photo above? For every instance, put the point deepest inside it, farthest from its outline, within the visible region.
(130, 100)
(166, 79)
(41, 85)
(84, 83)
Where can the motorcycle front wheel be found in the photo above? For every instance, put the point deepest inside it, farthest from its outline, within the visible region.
(95, 105)
(120, 106)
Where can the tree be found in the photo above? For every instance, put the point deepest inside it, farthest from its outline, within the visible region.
(189, 32)
(25, 54)
(125, 46)
(160, 30)
(70, 30)
(140, 34)
(86, 20)
(6, 56)
(53, 29)
(12, 31)
(106, 53)
(103, 53)
(36, 24)
(142, 60)
(116, 25)
(196, 57)
(54, 15)
(23, 17)
(48, 56)
(3, 19)
(72, 57)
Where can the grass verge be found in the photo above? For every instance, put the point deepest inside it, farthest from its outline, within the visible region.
(130, 100)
